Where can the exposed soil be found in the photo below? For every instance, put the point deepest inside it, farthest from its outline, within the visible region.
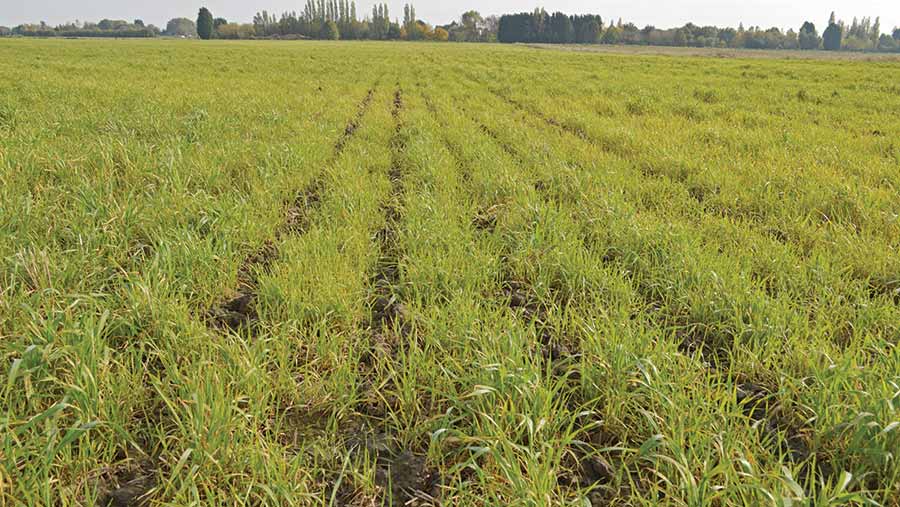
(239, 312)
(409, 480)
(354, 123)
(713, 346)
(486, 219)
(884, 288)
(761, 406)
(386, 309)
(236, 314)
(127, 486)
(259, 261)
(403, 475)
(299, 213)
(522, 299)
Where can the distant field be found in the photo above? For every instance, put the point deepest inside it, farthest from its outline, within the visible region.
(722, 52)
(361, 274)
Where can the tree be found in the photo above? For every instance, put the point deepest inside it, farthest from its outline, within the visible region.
(393, 32)
(896, 34)
(887, 43)
(611, 36)
(205, 24)
(561, 29)
(587, 28)
(441, 35)
(413, 31)
(330, 31)
(809, 36)
(491, 27)
(832, 37)
(471, 22)
(515, 28)
(832, 20)
(236, 31)
(181, 27)
(219, 22)
(139, 23)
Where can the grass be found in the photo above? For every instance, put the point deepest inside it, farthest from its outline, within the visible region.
(376, 274)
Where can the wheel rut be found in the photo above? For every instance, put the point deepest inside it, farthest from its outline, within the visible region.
(402, 475)
(239, 313)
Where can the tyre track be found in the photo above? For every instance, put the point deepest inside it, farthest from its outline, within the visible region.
(239, 314)
(404, 477)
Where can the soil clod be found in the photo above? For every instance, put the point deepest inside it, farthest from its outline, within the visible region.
(409, 480)
(127, 487)
(237, 314)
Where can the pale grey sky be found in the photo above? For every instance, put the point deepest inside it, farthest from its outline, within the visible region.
(661, 13)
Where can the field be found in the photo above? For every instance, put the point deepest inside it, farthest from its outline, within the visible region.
(783, 54)
(366, 274)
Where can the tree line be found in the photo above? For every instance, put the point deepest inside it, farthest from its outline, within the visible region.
(558, 28)
(103, 28)
(340, 20)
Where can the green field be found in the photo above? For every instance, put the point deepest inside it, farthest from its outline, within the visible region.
(367, 274)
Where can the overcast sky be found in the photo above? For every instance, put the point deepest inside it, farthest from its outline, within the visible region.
(661, 13)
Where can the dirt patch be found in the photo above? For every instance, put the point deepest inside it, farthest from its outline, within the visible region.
(127, 485)
(236, 314)
(555, 351)
(239, 312)
(397, 107)
(403, 476)
(298, 216)
(588, 471)
(485, 219)
(882, 287)
(777, 428)
(257, 262)
(604, 475)
(713, 346)
(409, 480)
(386, 309)
(354, 123)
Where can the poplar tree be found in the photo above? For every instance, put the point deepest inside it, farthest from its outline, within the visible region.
(204, 24)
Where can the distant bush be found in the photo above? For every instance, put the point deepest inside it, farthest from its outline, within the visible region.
(236, 31)
(181, 27)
